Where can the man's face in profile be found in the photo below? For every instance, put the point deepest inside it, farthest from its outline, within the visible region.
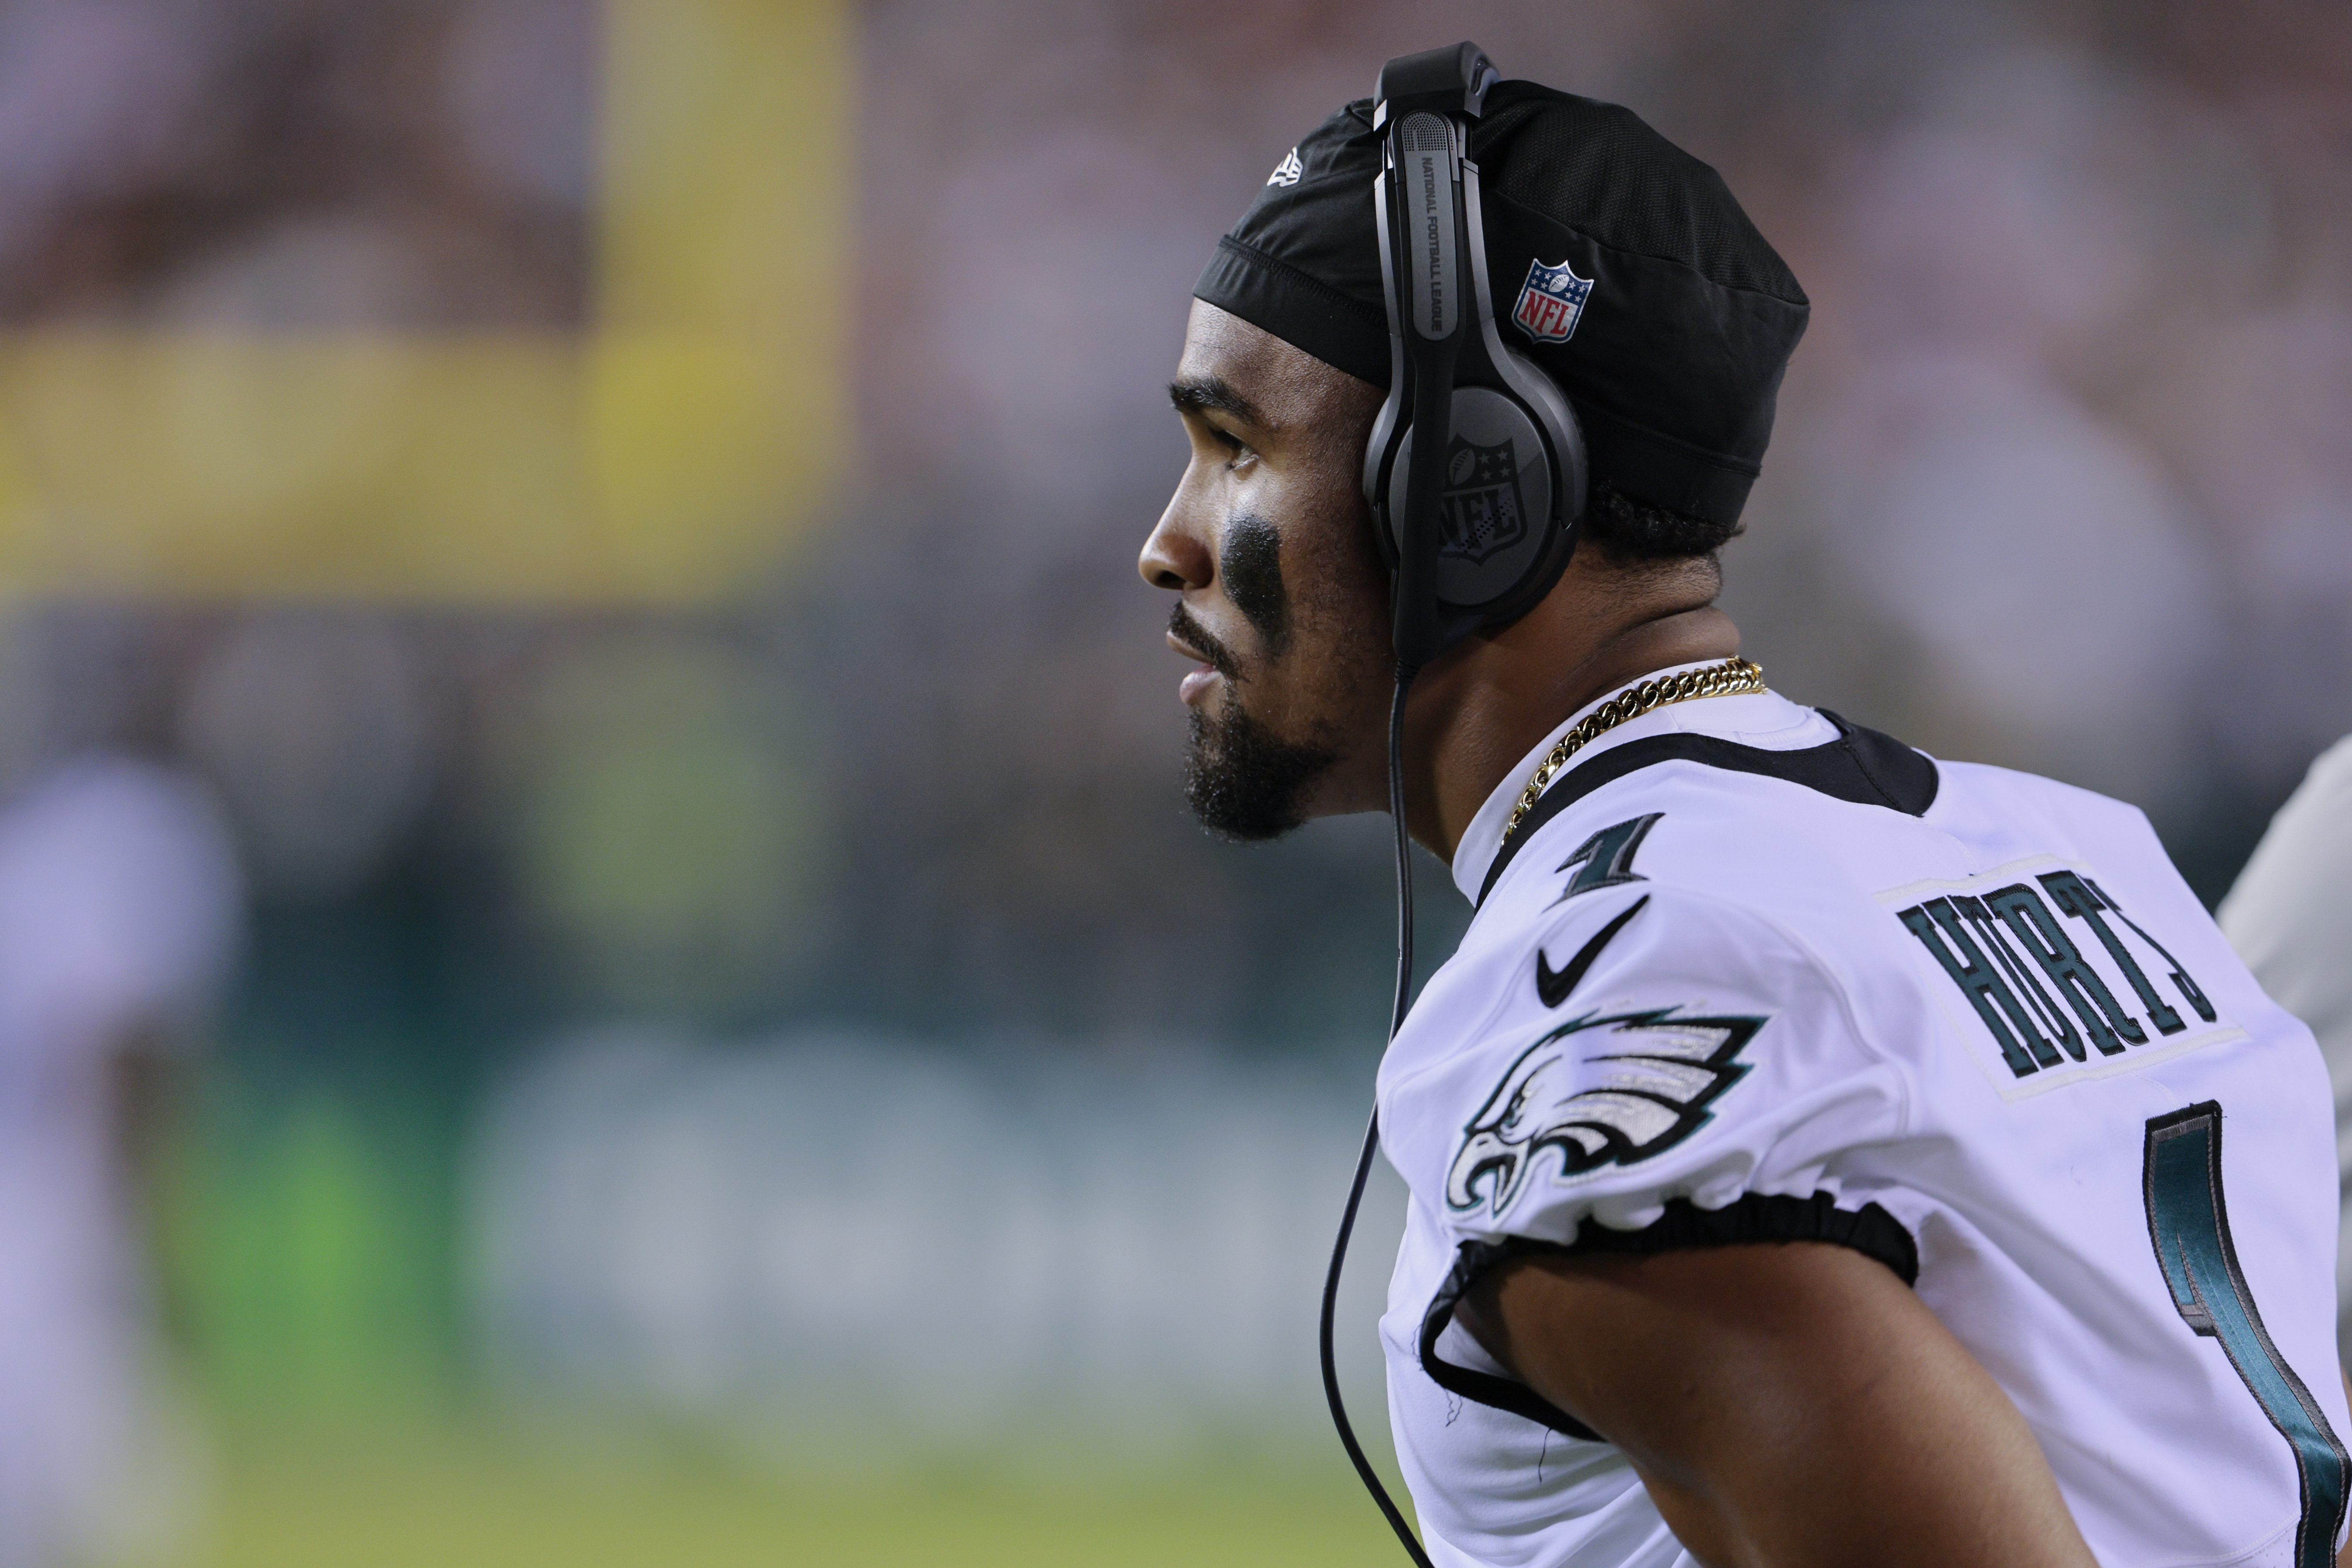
(1284, 605)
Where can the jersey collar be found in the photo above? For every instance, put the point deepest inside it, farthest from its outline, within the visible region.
(1765, 720)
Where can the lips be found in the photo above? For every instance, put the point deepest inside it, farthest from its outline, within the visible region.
(1196, 680)
(1209, 657)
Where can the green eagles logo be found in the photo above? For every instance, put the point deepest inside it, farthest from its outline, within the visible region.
(1603, 1090)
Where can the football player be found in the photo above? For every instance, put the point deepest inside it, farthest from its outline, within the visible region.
(1816, 1149)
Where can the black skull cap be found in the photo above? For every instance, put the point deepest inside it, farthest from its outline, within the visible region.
(1677, 353)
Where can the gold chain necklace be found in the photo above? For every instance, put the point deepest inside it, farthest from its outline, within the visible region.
(1732, 678)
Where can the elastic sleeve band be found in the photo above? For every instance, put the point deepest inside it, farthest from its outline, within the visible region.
(1752, 1217)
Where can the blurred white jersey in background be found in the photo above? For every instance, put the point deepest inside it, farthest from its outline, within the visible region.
(119, 914)
(2290, 918)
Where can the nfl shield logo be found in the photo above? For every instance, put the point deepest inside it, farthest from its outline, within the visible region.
(1481, 513)
(1550, 302)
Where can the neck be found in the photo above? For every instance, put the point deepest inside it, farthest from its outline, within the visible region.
(1477, 714)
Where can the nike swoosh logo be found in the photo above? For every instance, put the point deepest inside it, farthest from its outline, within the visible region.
(1554, 986)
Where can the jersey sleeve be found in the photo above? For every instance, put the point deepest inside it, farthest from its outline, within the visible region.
(1650, 1051)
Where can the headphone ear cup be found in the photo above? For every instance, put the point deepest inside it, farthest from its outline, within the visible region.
(1507, 519)
(1540, 396)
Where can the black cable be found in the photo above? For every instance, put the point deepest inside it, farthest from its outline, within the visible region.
(1372, 1132)
(1405, 673)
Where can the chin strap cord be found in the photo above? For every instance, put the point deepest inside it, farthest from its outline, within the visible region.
(1372, 1132)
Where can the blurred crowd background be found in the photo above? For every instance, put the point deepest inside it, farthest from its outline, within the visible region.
(592, 876)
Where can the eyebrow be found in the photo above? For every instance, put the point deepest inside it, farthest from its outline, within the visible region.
(1201, 394)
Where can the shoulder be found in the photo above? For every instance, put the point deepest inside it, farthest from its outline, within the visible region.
(1750, 797)
(1980, 795)
(1633, 945)
(2306, 850)
(2289, 915)
(1631, 1044)
(1733, 847)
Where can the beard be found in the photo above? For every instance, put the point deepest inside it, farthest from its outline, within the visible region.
(1245, 783)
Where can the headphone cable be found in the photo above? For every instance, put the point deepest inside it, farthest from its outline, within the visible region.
(1372, 1132)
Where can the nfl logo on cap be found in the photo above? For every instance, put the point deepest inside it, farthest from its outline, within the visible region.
(1551, 302)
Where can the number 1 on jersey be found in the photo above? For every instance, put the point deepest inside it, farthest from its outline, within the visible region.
(2188, 1223)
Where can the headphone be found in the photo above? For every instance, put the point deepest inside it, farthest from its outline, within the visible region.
(1477, 534)
(1474, 540)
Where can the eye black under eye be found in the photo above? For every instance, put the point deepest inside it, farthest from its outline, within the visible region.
(1251, 561)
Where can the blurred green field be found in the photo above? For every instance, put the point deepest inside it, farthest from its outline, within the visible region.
(310, 1262)
(453, 1496)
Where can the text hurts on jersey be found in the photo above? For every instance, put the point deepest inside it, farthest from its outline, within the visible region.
(2032, 982)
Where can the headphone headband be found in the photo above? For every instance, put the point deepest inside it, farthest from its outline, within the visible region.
(1454, 79)
(1480, 531)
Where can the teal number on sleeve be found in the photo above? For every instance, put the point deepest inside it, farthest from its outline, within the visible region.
(2190, 1225)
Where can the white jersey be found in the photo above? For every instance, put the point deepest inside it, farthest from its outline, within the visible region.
(1750, 972)
(2290, 918)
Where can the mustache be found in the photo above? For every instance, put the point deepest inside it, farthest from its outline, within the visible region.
(1181, 625)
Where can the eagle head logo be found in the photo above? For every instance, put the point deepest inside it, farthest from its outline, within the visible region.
(1601, 1091)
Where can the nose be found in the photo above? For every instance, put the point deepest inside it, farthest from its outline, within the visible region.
(1177, 556)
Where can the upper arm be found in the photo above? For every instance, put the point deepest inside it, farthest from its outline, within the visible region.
(1649, 1044)
(1787, 1404)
